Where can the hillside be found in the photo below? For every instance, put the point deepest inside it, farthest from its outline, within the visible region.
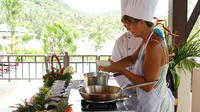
(38, 15)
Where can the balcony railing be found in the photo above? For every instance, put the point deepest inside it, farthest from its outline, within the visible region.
(33, 67)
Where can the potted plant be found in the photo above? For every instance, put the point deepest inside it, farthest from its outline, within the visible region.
(57, 73)
(183, 59)
(180, 56)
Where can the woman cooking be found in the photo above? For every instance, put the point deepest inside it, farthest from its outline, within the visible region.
(151, 59)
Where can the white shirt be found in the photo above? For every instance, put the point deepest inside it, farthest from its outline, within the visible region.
(125, 45)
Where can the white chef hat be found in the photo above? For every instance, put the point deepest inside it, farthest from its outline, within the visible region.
(139, 9)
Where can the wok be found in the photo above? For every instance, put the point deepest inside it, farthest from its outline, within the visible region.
(105, 93)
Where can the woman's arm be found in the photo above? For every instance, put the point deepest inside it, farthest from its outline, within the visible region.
(152, 63)
(151, 67)
(121, 64)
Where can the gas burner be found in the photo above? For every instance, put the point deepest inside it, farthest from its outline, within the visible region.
(92, 106)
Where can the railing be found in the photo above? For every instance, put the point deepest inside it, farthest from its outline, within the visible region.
(33, 67)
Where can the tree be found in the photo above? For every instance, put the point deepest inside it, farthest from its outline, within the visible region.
(12, 11)
(58, 38)
(36, 15)
(11, 15)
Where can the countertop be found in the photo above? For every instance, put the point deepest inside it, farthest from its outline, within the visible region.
(75, 98)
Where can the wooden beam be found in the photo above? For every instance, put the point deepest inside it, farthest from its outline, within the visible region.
(178, 20)
(193, 18)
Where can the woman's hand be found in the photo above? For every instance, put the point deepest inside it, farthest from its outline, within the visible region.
(114, 67)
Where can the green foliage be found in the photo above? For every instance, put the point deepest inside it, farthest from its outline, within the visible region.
(62, 106)
(176, 79)
(190, 48)
(58, 74)
(27, 51)
(11, 9)
(58, 38)
(104, 29)
(11, 12)
(37, 102)
(189, 64)
(25, 38)
(183, 58)
(50, 77)
(37, 15)
(11, 15)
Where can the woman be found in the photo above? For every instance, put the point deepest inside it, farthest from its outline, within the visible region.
(151, 61)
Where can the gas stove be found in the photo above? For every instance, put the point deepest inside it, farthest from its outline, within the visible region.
(80, 105)
(92, 106)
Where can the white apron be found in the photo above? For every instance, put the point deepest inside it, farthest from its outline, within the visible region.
(159, 99)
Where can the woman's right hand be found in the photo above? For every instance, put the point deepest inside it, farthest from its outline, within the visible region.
(114, 67)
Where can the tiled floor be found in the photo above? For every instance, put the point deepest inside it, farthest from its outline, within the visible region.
(14, 92)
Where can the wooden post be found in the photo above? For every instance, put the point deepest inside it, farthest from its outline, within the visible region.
(184, 91)
(97, 58)
(46, 63)
(178, 20)
(66, 60)
(196, 90)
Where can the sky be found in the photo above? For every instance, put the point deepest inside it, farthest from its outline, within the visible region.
(102, 6)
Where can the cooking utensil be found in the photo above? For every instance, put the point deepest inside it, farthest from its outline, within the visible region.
(120, 98)
(96, 78)
(105, 93)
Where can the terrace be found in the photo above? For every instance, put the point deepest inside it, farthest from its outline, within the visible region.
(21, 75)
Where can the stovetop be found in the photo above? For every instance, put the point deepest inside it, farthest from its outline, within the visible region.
(79, 105)
(88, 106)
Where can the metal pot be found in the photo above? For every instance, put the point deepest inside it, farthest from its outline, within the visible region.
(105, 93)
(96, 78)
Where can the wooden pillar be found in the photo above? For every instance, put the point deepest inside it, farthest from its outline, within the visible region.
(196, 90)
(178, 20)
(46, 61)
(66, 60)
(184, 91)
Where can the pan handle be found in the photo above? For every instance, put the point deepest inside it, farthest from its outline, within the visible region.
(122, 98)
(140, 84)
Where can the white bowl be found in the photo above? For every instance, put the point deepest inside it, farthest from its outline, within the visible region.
(103, 63)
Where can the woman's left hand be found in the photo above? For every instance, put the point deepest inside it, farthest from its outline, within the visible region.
(114, 67)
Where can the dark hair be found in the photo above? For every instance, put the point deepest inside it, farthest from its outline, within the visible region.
(149, 24)
(129, 20)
